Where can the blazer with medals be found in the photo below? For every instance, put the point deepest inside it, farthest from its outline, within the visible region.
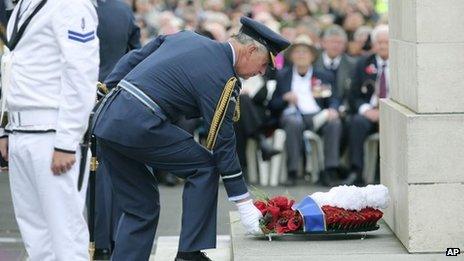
(364, 82)
(284, 84)
(343, 76)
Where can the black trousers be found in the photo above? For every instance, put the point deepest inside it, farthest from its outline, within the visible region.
(360, 129)
(295, 124)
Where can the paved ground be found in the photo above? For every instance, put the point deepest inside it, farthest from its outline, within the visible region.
(12, 249)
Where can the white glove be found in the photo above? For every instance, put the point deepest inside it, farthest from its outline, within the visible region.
(249, 216)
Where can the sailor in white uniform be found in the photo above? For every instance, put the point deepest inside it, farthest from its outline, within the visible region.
(48, 88)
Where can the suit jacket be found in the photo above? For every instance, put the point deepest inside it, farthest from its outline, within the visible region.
(117, 32)
(343, 76)
(284, 85)
(364, 82)
(185, 74)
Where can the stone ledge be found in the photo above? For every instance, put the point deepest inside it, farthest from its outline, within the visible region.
(379, 245)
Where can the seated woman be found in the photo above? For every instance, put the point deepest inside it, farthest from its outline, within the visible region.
(305, 100)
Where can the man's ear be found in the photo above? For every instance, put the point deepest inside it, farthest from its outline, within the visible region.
(252, 48)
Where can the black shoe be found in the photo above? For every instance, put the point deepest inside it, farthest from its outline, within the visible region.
(291, 179)
(267, 151)
(289, 183)
(329, 177)
(102, 254)
(354, 178)
(191, 256)
(268, 154)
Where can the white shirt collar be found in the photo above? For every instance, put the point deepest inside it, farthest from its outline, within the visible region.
(380, 61)
(233, 53)
(308, 74)
(327, 61)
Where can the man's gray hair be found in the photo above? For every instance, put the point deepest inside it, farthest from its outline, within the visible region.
(335, 30)
(246, 39)
(383, 28)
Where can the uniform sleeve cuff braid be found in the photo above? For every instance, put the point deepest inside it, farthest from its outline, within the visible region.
(235, 187)
(239, 197)
(231, 176)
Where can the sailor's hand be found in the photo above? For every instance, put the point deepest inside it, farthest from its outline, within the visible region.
(62, 162)
(4, 147)
(249, 216)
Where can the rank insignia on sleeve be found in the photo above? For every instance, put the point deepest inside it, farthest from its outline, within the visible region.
(83, 38)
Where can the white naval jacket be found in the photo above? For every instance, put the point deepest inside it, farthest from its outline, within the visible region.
(51, 83)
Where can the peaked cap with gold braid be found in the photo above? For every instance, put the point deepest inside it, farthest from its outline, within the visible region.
(274, 42)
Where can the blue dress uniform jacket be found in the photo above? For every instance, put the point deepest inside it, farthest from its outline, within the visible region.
(115, 15)
(184, 74)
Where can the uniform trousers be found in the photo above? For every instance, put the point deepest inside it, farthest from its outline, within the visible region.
(360, 129)
(136, 190)
(295, 124)
(107, 211)
(49, 209)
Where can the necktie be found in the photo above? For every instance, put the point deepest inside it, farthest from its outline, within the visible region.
(332, 65)
(383, 83)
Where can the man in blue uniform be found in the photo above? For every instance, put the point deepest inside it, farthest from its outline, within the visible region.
(118, 31)
(118, 34)
(181, 74)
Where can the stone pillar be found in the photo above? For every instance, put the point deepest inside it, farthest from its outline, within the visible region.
(422, 124)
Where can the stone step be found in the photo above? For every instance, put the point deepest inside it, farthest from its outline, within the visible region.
(380, 245)
(166, 249)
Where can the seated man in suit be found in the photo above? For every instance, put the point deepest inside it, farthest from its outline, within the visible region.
(370, 83)
(305, 100)
(335, 61)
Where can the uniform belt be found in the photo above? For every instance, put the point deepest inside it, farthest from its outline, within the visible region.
(143, 98)
(32, 118)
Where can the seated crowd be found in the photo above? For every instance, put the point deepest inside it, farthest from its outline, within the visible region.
(328, 82)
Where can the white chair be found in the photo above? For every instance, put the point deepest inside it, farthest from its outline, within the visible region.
(371, 151)
(278, 169)
(252, 160)
(265, 172)
(278, 165)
